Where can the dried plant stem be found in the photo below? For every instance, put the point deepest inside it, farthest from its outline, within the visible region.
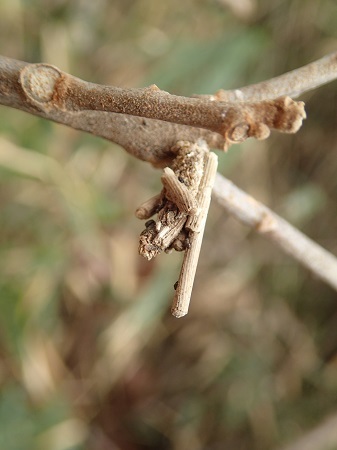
(182, 209)
(254, 214)
(148, 208)
(197, 225)
(178, 192)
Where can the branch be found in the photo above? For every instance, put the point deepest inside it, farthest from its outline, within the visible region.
(46, 91)
(254, 214)
(292, 83)
(149, 122)
(146, 139)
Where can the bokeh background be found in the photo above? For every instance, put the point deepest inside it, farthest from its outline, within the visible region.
(90, 357)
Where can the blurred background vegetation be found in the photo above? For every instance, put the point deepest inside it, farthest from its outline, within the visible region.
(90, 356)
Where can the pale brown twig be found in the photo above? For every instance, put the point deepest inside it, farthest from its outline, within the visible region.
(254, 214)
(196, 224)
(177, 192)
(149, 207)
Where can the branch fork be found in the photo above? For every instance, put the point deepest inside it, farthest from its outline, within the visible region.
(149, 122)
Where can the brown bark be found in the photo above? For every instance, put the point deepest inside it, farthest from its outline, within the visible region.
(146, 122)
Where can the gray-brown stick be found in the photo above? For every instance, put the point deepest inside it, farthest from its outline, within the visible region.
(293, 83)
(252, 213)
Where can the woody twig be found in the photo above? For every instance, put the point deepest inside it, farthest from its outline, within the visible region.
(147, 122)
(256, 215)
(293, 83)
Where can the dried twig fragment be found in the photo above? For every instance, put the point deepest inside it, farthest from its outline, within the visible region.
(149, 208)
(177, 192)
(176, 202)
(181, 220)
(160, 236)
(197, 226)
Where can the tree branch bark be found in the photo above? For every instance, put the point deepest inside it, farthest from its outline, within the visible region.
(149, 122)
(293, 83)
(149, 115)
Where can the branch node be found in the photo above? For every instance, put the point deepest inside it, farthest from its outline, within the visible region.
(267, 224)
(38, 82)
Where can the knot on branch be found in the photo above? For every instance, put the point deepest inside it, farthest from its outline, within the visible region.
(247, 120)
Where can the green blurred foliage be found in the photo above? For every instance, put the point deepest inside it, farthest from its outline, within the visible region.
(89, 355)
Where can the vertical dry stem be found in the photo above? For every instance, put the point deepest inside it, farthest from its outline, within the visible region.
(197, 225)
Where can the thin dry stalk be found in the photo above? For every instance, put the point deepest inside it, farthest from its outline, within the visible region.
(183, 207)
(177, 192)
(149, 207)
(196, 224)
(254, 214)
